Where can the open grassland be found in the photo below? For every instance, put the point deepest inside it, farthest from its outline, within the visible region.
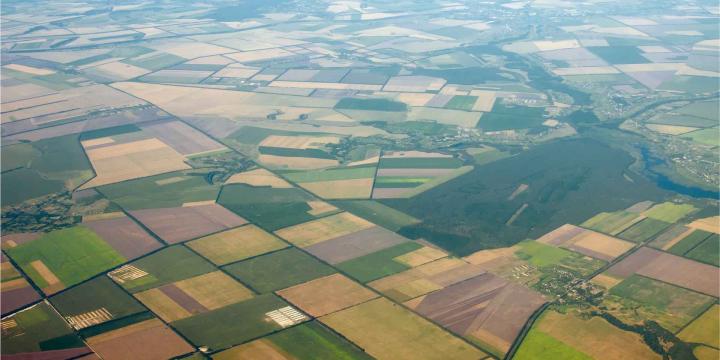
(150, 338)
(308, 341)
(638, 298)
(236, 244)
(162, 191)
(270, 208)
(327, 295)
(705, 329)
(387, 331)
(278, 270)
(37, 330)
(378, 213)
(455, 215)
(43, 167)
(669, 212)
(317, 231)
(105, 295)
(232, 324)
(166, 266)
(64, 257)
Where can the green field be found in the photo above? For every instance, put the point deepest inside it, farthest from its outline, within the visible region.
(708, 251)
(270, 208)
(278, 270)
(463, 214)
(97, 293)
(619, 54)
(309, 153)
(643, 298)
(420, 163)
(461, 102)
(378, 213)
(371, 104)
(255, 135)
(156, 61)
(486, 155)
(39, 328)
(511, 117)
(670, 212)
(232, 324)
(644, 230)
(171, 264)
(413, 127)
(703, 109)
(73, 255)
(610, 223)
(312, 340)
(540, 255)
(378, 264)
(705, 136)
(537, 344)
(31, 170)
(399, 182)
(162, 191)
(689, 242)
(356, 172)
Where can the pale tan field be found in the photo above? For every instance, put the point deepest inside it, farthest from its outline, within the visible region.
(258, 349)
(316, 231)
(21, 92)
(118, 71)
(606, 280)
(299, 142)
(259, 177)
(214, 290)
(690, 71)
(603, 244)
(586, 70)
(327, 295)
(198, 203)
(556, 45)
(650, 67)
(414, 84)
(324, 85)
(162, 305)
(53, 282)
(300, 163)
(389, 331)
(414, 99)
(150, 339)
(257, 55)
(445, 116)
(95, 142)
(420, 256)
(236, 244)
(596, 337)
(211, 60)
(237, 72)
(318, 207)
(341, 189)
(670, 129)
(485, 101)
(189, 49)
(132, 160)
(710, 224)
(677, 239)
(620, 30)
(485, 256)
(29, 69)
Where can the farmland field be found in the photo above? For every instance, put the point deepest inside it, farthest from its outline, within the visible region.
(65, 257)
(689, 242)
(149, 338)
(236, 244)
(707, 251)
(184, 223)
(644, 230)
(705, 329)
(16, 290)
(378, 213)
(513, 117)
(327, 295)
(278, 270)
(378, 264)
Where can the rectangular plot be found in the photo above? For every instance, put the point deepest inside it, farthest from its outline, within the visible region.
(148, 339)
(316, 231)
(356, 244)
(184, 223)
(236, 244)
(181, 137)
(125, 236)
(326, 295)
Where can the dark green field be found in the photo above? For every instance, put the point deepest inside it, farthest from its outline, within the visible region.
(511, 117)
(377, 213)
(421, 163)
(162, 191)
(619, 54)
(378, 264)
(708, 251)
(569, 181)
(42, 168)
(232, 324)
(461, 102)
(278, 270)
(166, 266)
(267, 207)
(689, 242)
(39, 329)
(644, 230)
(312, 340)
(370, 104)
(98, 293)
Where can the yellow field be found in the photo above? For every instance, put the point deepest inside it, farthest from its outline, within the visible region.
(316, 231)
(341, 189)
(257, 55)
(485, 101)
(214, 290)
(318, 207)
(670, 129)
(595, 337)
(162, 305)
(259, 177)
(327, 295)
(258, 349)
(416, 281)
(300, 163)
(299, 142)
(705, 329)
(548, 45)
(420, 256)
(388, 331)
(236, 244)
(132, 160)
(606, 280)
(710, 224)
(485, 256)
(602, 244)
(706, 353)
(414, 99)
(29, 69)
